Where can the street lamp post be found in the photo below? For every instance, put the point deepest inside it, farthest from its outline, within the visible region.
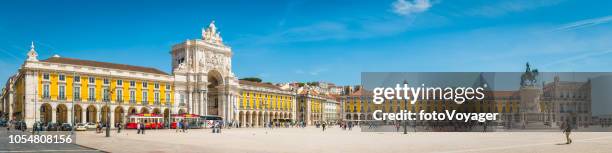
(110, 93)
(73, 123)
(73, 120)
(36, 108)
(120, 101)
(405, 127)
(107, 98)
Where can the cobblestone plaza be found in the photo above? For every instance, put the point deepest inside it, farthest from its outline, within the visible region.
(312, 139)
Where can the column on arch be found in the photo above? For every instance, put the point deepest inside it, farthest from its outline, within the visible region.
(111, 113)
(53, 113)
(69, 114)
(250, 121)
(242, 119)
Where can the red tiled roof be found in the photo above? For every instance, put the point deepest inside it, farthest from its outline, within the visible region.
(361, 92)
(497, 94)
(265, 85)
(72, 61)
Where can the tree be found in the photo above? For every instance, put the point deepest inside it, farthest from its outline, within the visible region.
(314, 83)
(300, 84)
(252, 79)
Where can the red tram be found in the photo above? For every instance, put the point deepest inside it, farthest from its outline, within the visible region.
(151, 121)
(193, 120)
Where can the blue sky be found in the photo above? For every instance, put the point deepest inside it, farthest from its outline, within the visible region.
(325, 40)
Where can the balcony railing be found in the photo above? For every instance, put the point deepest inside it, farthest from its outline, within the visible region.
(132, 101)
(76, 99)
(91, 99)
(61, 98)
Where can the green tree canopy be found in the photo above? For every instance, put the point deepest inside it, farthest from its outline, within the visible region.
(252, 79)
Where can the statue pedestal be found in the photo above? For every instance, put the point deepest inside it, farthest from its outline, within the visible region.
(531, 115)
(530, 99)
(534, 121)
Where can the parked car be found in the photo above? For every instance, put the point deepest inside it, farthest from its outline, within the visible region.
(52, 127)
(20, 125)
(41, 126)
(2, 123)
(80, 127)
(66, 127)
(90, 125)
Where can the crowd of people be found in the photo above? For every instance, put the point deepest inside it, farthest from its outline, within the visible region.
(346, 125)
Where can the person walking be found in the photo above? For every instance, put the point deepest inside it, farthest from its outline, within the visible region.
(37, 127)
(178, 126)
(216, 127)
(567, 130)
(98, 127)
(485, 127)
(138, 128)
(183, 126)
(119, 127)
(143, 128)
(397, 127)
(186, 125)
(323, 126)
(8, 126)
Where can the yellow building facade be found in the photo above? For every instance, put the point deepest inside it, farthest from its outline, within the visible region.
(66, 90)
(262, 103)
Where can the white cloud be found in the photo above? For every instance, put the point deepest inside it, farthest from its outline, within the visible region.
(353, 28)
(584, 23)
(408, 7)
(317, 71)
(337, 30)
(575, 58)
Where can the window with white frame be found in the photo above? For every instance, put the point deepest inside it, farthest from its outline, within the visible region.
(132, 96)
(62, 92)
(92, 80)
(182, 98)
(62, 77)
(76, 93)
(119, 82)
(145, 84)
(46, 91)
(144, 96)
(132, 83)
(46, 76)
(77, 79)
(92, 94)
(156, 97)
(106, 94)
(119, 95)
(167, 97)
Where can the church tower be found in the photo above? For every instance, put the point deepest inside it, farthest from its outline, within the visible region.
(32, 55)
